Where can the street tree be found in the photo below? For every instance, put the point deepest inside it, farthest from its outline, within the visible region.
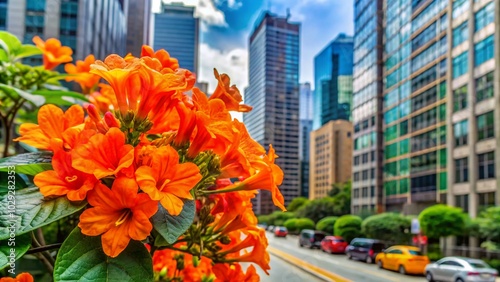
(296, 203)
(326, 224)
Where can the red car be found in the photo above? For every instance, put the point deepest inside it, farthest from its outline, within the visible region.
(333, 244)
(280, 231)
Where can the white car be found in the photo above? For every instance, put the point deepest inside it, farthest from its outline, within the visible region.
(460, 269)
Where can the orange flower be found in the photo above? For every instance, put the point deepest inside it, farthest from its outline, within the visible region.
(229, 94)
(23, 277)
(116, 71)
(54, 53)
(256, 239)
(119, 214)
(104, 154)
(105, 99)
(168, 63)
(234, 273)
(81, 74)
(268, 177)
(233, 211)
(165, 180)
(52, 124)
(64, 179)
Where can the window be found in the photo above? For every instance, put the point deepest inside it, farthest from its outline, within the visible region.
(356, 193)
(364, 158)
(403, 128)
(460, 34)
(364, 192)
(424, 183)
(424, 162)
(459, 7)
(484, 87)
(424, 141)
(424, 99)
(484, 50)
(461, 132)
(462, 170)
(372, 191)
(423, 120)
(485, 126)
(423, 79)
(460, 98)
(356, 176)
(373, 156)
(462, 201)
(460, 64)
(424, 37)
(364, 174)
(486, 200)
(484, 16)
(356, 160)
(486, 165)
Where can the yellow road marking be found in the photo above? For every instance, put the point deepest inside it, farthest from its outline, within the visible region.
(307, 266)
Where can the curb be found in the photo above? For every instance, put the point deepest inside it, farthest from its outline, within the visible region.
(307, 267)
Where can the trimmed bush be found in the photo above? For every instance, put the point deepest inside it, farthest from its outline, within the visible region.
(348, 227)
(304, 223)
(291, 225)
(326, 224)
(389, 227)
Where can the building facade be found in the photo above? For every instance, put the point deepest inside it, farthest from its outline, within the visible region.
(273, 93)
(87, 26)
(330, 157)
(305, 124)
(367, 108)
(333, 81)
(177, 31)
(473, 123)
(138, 25)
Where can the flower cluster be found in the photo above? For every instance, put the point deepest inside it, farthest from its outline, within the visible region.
(150, 141)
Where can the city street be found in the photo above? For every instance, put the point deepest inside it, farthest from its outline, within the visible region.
(337, 264)
(282, 271)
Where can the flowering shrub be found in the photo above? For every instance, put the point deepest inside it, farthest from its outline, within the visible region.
(158, 177)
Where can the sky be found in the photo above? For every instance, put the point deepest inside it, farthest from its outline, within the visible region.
(226, 26)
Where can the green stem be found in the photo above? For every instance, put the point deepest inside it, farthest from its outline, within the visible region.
(44, 248)
(219, 191)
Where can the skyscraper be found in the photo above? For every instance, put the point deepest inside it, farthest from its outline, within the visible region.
(138, 25)
(305, 124)
(333, 81)
(273, 92)
(87, 26)
(367, 108)
(177, 31)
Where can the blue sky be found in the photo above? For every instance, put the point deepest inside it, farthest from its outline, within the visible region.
(227, 25)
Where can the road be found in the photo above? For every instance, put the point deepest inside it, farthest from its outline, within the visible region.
(337, 264)
(282, 271)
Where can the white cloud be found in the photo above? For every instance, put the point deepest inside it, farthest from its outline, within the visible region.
(232, 4)
(204, 9)
(233, 62)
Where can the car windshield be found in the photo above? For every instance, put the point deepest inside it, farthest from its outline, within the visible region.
(318, 236)
(478, 264)
(338, 240)
(281, 228)
(415, 253)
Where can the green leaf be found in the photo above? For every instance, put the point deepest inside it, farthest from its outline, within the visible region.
(81, 258)
(61, 97)
(3, 55)
(18, 182)
(171, 227)
(35, 99)
(19, 245)
(9, 42)
(29, 163)
(32, 211)
(27, 50)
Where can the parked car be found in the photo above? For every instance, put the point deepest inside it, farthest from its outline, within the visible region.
(404, 259)
(460, 269)
(311, 238)
(333, 244)
(280, 231)
(364, 249)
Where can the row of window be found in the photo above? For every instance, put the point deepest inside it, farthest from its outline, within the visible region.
(483, 51)
(486, 167)
(365, 193)
(485, 129)
(364, 158)
(364, 175)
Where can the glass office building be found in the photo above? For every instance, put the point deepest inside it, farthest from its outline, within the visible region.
(87, 26)
(333, 81)
(305, 124)
(177, 31)
(273, 93)
(367, 193)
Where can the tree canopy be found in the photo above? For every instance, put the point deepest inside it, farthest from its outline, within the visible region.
(441, 221)
(326, 224)
(348, 227)
(389, 227)
(296, 203)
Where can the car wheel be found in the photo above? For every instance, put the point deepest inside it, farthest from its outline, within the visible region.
(330, 251)
(300, 245)
(379, 263)
(402, 270)
(369, 260)
(459, 280)
(429, 277)
(349, 255)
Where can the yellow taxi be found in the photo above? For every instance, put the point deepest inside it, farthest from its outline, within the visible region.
(404, 259)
